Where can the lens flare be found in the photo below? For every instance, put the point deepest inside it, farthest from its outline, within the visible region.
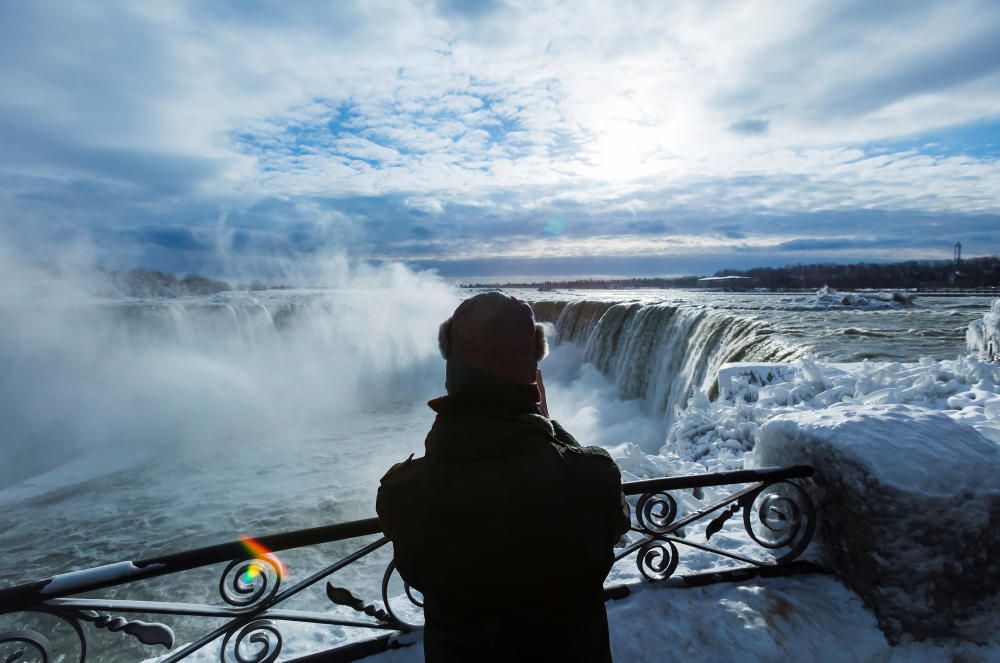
(259, 551)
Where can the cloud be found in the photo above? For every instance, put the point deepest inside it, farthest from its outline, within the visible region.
(650, 226)
(889, 63)
(750, 127)
(469, 8)
(833, 244)
(177, 238)
(426, 205)
(210, 133)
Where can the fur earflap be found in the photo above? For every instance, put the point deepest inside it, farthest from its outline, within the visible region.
(541, 343)
(444, 338)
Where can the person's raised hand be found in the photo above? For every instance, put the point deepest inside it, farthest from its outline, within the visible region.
(543, 404)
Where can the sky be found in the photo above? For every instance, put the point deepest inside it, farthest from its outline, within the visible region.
(478, 137)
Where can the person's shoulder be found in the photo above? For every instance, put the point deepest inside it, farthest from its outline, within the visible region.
(401, 488)
(403, 472)
(596, 456)
(562, 436)
(400, 499)
(590, 460)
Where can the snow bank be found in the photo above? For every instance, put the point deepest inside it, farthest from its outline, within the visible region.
(909, 501)
(983, 336)
(780, 619)
(904, 447)
(808, 618)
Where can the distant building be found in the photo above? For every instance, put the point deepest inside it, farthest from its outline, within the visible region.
(726, 282)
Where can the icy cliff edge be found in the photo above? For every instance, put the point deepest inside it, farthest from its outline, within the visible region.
(909, 505)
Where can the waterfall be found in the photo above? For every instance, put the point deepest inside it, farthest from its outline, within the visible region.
(662, 352)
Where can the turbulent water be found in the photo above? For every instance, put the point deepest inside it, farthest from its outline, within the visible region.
(138, 427)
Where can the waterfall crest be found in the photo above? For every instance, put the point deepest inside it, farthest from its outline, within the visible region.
(662, 352)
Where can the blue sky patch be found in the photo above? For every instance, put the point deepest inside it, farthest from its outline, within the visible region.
(980, 140)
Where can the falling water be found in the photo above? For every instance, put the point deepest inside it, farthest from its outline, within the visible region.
(662, 352)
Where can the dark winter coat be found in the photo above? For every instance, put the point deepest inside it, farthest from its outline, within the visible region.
(507, 526)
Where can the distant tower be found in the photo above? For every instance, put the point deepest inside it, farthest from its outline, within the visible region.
(958, 253)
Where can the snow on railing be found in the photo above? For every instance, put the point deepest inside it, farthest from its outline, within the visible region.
(777, 514)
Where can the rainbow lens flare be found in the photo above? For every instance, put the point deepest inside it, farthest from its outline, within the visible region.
(258, 550)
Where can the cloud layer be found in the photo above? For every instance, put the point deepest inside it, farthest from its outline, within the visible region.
(484, 137)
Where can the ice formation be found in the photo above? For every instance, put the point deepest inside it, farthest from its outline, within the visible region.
(744, 380)
(828, 298)
(912, 500)
(983, 336)
(715, 435)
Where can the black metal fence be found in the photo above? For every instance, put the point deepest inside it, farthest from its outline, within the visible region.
(776, 511)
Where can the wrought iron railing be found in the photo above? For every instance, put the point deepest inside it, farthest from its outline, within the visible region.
(777, 514)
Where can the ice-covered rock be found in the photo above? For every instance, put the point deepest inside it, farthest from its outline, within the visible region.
(909, 502)
(983, 336)
(828, 298)
(744, 379)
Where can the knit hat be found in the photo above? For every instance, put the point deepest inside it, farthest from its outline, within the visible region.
(495, 333)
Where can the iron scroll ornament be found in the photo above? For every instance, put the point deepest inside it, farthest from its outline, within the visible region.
(261, 633)
(247, 583)
(389, 570)
(787, 515)
(40, 643)
(778, 515)
(26, 638)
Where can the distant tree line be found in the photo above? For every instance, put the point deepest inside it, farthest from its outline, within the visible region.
(970, 273)
(598, 284)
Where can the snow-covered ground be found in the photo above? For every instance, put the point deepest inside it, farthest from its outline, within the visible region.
(781, 619)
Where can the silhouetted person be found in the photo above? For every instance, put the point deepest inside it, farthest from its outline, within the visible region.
(506, 524)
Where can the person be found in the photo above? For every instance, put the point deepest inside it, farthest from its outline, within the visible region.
(507, 525)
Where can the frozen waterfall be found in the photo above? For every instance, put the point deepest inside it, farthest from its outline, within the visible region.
(662, 352)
